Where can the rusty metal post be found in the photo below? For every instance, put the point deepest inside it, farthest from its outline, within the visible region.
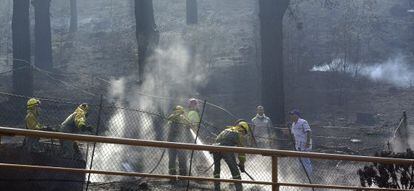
(275, 186)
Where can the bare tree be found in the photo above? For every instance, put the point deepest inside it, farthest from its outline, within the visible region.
(22, 70)
(146, 33)
(43, 35)
(73, 16)
(192, 12)
(271, 32)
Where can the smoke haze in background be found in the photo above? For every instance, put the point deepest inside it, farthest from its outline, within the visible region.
(395, 71)
(171, 73)
(170, 76)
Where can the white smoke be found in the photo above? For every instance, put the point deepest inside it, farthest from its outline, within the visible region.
(395, 71)
(106, 153)
(171, 73)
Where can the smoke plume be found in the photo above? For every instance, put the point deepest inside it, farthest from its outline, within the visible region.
(395, 71)
(172, 76)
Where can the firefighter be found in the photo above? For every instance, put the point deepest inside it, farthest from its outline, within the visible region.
(231, 136)
(32, 143)
(74, 123)
(179, 132)
(193, 113)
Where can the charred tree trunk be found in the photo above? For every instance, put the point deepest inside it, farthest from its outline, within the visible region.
(22, 70)
(192, 13)
(73, 27)
(43, 35)
(146, 33)
(271, 32)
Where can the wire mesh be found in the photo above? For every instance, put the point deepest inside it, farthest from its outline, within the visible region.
(137, 124)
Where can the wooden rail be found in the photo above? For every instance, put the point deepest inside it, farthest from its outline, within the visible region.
(179, 177)
(188, 146)
(162, 144)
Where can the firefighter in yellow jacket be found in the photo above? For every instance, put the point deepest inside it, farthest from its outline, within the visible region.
(74, 123)
(231, 136)
(193, 112)
(32, 122)
(179, 131)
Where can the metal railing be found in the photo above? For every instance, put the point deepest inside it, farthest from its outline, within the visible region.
(274, 154)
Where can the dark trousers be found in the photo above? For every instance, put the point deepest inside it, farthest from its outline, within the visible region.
(32, 144)
(230, 159)
(182, 162)
(67, 147)
(70, 149)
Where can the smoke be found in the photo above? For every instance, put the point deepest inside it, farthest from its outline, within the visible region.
(117, 89)
(173, 75)
(171, 72)
(395, 71)
(107, 153)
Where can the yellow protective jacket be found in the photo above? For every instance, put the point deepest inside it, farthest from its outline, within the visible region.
(179, 119)
(232, 136)
(32, 121)
(179, 130)
(194, 118)
(76, 120)
(80, 117)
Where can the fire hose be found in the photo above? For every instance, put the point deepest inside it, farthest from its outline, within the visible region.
(195, 142)
(301, 162)
(158, 163)
(250, 176)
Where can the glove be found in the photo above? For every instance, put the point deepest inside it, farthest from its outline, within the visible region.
(86, 129)
(241, 167)
(47, 128)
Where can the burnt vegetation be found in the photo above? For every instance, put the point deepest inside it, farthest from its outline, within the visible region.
(389, 175)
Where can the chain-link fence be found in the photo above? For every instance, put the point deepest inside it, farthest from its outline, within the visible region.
(113, 121)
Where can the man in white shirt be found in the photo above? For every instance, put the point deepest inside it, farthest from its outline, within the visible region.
(262, 128)
(303, 137)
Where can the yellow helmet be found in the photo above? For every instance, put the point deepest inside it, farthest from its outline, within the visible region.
(244, 125)
(32, 102)
(84, 107)
(179, 109)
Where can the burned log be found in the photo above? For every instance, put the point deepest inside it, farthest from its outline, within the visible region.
(21, 180)
(388, 175)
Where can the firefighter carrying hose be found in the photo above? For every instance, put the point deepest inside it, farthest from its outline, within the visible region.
(231, 136)
(74, 123)
(193, 113)
(32, 143)
(179, 132)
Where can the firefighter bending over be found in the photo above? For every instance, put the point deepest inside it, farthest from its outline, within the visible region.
(232, 136)
(74, 123)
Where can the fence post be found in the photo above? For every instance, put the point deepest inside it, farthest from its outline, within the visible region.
(94, 144)
(275, 186)
(195, 142)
